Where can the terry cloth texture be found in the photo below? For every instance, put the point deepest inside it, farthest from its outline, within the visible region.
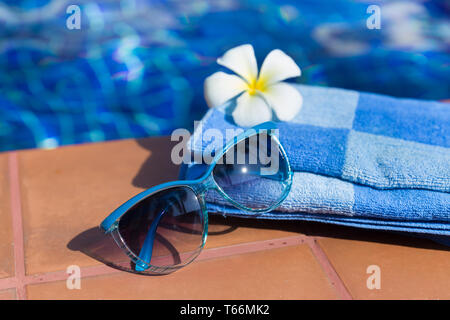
(359, 159)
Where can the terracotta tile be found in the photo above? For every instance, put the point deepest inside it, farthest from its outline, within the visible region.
(411, 268)
(6, 235)
(284, 273)
(69, 190)
(9, 294)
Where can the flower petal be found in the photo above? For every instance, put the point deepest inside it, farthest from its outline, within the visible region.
(251, 110)
(277, 67)
(221, 87)
(285, 100)
(241, 60)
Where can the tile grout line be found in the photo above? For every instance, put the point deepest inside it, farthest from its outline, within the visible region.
(250, 247)
(86, 272)
(17, 224)
(207, 254)
(328, 268)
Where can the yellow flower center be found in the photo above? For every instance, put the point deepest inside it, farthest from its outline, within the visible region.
(256, 85)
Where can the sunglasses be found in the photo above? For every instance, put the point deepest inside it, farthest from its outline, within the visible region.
(165, 227)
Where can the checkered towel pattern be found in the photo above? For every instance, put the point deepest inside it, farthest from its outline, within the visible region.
(360, 159)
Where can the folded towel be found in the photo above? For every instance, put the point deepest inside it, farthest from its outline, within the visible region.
(359, 159)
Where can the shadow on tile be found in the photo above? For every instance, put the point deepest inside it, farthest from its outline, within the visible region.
(158, 167)
(317, 229)
(101, 247)
(95, 244)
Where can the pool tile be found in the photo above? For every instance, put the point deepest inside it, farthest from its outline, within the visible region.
(9, 294)
(284, 273)
(6, 234)
(410, 268)
(69, 190)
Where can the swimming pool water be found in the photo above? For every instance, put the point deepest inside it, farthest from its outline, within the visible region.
(136, 68)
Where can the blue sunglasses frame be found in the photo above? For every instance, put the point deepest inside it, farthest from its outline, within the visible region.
(199, 186)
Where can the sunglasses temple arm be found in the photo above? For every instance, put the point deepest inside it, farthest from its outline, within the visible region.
(147, 248)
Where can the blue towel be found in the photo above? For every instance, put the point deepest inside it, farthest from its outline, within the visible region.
(359, 159)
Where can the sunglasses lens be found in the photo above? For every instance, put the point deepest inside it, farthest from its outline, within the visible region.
(254, 173)
(164, 230)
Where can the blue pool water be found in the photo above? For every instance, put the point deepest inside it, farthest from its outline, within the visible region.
(136, 68)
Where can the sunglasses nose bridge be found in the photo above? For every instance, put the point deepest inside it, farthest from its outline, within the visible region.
(206, 184)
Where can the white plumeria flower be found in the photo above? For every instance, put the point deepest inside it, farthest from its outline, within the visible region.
(258, 93)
